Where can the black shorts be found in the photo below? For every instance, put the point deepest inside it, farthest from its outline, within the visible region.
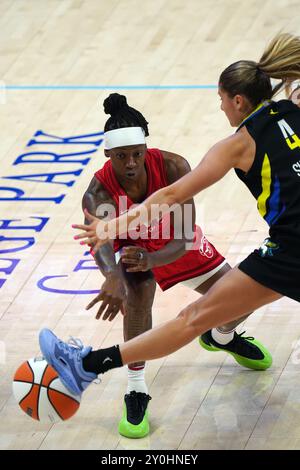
(275, 265)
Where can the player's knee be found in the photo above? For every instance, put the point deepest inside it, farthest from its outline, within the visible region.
(140, 294)
(188, 314)
(194, 317)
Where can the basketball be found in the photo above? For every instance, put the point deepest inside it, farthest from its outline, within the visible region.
(40, 393)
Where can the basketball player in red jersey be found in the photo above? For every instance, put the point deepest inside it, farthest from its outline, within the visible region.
(134, 263)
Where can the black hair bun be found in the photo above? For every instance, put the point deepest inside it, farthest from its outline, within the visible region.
(114, 103)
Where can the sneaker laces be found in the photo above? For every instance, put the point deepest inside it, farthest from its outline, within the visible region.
(70, 346)
(250, 338)
(76, 343)
(136, 404)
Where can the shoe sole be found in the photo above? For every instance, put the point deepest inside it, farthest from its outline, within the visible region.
(254, 364)
(132, 431)
(132, 434)
(65, 378)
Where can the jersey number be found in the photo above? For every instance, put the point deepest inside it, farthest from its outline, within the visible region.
(291, 138)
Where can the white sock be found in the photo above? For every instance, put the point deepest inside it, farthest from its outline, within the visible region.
(136, 380)
(221, 337)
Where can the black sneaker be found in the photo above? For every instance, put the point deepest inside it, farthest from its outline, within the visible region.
(247, 351)
(134, 423)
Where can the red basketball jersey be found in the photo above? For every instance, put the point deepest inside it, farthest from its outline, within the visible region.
(202, 258)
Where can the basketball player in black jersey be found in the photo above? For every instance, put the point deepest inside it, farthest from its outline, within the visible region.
(265, 153)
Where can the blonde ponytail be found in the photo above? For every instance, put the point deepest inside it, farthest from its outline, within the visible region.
(281, 60)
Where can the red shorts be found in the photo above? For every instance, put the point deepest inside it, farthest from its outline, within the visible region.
(197, 264)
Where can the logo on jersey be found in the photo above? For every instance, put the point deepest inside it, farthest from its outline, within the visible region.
(205, 248)
(268, 248)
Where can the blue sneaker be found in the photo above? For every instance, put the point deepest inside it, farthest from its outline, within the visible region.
(66, 359)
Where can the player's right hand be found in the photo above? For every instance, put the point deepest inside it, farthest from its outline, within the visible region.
(111, 296)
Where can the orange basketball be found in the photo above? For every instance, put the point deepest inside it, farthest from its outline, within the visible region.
(41, 394)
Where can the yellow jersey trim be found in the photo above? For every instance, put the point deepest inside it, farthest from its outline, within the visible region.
(266, 186)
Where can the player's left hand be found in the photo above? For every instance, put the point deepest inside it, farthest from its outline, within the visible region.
(137, 259)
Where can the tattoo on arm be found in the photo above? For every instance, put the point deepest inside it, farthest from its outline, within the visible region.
(98, 202)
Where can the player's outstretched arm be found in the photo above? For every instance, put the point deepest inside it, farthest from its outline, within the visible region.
(223, 156)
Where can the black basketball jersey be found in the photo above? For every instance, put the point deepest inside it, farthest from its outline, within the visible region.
(274, 178)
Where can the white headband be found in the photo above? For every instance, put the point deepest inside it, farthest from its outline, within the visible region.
(123, 137)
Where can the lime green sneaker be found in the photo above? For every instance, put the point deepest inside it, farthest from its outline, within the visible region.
(134, 423)
(247, 351)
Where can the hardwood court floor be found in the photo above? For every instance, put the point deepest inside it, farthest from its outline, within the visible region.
(200, 400)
